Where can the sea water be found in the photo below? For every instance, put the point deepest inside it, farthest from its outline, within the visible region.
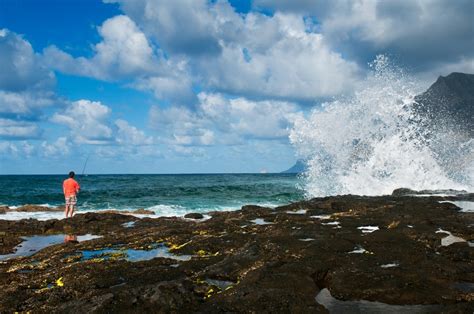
(166, 195)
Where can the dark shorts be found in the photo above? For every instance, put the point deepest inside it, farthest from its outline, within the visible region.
(71, 200)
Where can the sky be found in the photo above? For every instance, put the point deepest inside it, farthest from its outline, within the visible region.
(198, 86)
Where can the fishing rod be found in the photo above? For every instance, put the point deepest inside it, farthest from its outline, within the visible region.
(85, 165)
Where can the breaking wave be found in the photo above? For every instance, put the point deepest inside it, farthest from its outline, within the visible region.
(374, 142)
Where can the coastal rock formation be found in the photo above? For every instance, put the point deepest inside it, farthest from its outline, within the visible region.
(37, 208)
(194, 216)
(390, 250)
(449, 102)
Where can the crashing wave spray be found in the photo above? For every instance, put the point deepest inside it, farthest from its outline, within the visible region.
(374, 142)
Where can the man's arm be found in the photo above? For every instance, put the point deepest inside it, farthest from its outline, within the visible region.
(78, 187)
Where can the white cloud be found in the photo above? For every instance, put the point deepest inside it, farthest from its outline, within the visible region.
(11, 129)
(126, 54)
(250, 55)
(175, 86)
(26, 104)
(421, 33)
(289, 63)
(130, 135)
(58, 148)
(16, 149)
(87, 121)
(20, 66)
(123, 52)
(182, 27)
(26, 87)
(219, 120)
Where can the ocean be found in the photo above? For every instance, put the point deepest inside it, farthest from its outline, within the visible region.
(166, 195)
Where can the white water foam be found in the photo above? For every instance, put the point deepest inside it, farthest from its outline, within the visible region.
(159, 211)
(373, 142)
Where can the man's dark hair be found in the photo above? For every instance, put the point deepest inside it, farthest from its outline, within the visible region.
(71, 174)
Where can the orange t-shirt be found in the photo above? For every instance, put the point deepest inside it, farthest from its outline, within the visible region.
(70, 187)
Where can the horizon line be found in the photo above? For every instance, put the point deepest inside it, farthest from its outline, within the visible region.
(143, 173)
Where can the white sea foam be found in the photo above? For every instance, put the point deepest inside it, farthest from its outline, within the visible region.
(373, 142)
(159, 211)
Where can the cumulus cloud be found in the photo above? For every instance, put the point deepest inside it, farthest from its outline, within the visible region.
(26, 88)
(21, 66)
(87, 121)
(130, 135)
(90, 122)
(184, 27)
(218, 120)
(16, 149)
(60, 147)
(421, 33)
(252, 55)
(124, 51)
(18, 130)
(289, 63)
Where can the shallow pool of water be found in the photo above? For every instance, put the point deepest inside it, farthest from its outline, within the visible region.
(368, 229)
(297, 212)
(450, 238)
(134, 255)
(129, 224)
(221, 284)
(466, 206)
(33, 244)
(261, 221)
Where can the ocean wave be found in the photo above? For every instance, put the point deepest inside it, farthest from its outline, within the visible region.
(374, 142)
(159, 210)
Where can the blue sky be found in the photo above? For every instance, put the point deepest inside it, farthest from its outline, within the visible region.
(197, 86)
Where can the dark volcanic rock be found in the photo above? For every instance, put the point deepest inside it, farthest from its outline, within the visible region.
(143, 211)
(37, 208)
(385, 249)
(449, 103)
(4, 209)
(410, 192)
(194, 216)
(140, 211)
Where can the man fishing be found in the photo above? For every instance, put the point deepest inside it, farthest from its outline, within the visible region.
(70, 189)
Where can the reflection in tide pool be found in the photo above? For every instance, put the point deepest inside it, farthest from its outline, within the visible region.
(33, 244)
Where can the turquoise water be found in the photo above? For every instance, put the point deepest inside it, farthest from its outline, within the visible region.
(164, 194)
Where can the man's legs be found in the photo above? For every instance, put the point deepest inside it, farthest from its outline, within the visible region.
(72, 209)
(72, 205)
(66, 208)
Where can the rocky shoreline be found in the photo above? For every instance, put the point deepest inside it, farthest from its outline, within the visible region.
(389, 250)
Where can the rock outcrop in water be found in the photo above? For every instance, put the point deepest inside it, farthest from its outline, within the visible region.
(298, 167)
(449, 102)
(399, 250)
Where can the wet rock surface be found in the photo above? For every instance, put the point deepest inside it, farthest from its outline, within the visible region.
(239, 266)
(194, 216)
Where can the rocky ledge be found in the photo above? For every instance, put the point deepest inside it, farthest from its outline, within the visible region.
(388, 251)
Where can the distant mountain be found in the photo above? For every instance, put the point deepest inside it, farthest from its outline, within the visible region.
(298, 167)
(449, 102)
